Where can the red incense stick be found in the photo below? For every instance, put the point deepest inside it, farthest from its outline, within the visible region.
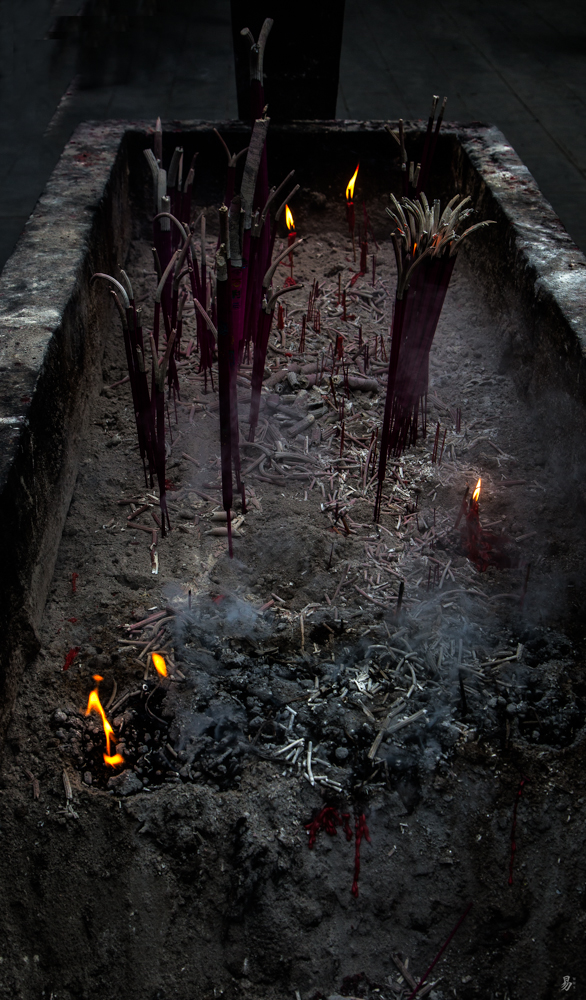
(440, 953)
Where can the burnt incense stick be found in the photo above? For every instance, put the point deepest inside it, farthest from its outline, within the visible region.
(187, 192)
(257, 50)
(224, 338)
(428, 133)
(426, 168)
(251, 168)
(158, 142)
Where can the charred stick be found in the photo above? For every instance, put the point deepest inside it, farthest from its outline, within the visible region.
(427, 142)
(187, 192)
(423, 181)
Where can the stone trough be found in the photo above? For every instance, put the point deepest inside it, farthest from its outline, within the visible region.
(53, 327)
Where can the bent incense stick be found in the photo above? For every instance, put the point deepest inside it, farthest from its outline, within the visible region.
(260, 351)
(231, 173)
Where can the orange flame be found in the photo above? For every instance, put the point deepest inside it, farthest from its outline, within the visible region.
(476, 494)
(289, 219)
(159, 664)
(351, 183)
(94, 705)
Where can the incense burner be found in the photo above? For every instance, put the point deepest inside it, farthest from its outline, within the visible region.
(53, 326)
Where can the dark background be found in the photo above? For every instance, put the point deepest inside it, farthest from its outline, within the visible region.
(519, 65)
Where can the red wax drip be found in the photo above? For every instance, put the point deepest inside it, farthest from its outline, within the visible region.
(328, 819)
(347, 827)
(361, 831)
(70, 657)
(513, 829)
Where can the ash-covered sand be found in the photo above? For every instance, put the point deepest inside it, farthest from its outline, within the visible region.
(186, 873)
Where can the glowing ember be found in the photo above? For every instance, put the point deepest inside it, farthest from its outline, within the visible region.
(351, 183)
(289, 218)
(476, 494)
(94, 705)
(159, 664)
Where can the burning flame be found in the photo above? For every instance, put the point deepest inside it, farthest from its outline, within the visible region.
(476, 494)
(289, 219)
(94, 705)
(159, 664)
(351, 183)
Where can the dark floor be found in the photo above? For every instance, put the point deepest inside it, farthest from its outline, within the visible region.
(520, 65)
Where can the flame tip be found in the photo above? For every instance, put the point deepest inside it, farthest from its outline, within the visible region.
(351, 183)
(159, 664)
(95, 705)
(289, 218)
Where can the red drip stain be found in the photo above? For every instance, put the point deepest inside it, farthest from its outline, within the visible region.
(70, 657)
(169, 486)
(346, 825)
(328, 819)
(361, 831)
(356, 276)
(513, 829)
(72, 620)
(74, 579)
(219, 598)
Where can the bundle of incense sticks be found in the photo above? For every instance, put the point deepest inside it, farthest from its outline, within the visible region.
(171, 226)
(149, 407)
(231, 315)
(426, 242)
